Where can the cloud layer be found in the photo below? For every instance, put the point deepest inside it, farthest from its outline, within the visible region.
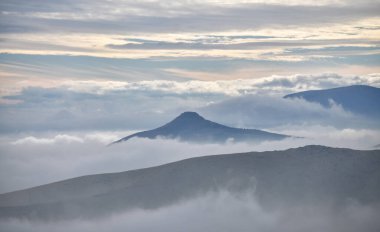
(221, 211)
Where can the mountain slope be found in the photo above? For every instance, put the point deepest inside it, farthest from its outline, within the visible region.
(358, 99)
(191, 127)
(307, 175)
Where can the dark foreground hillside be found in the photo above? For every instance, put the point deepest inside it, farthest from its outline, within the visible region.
(302, 176)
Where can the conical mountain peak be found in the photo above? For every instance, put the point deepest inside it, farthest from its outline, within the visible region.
(188, 115)
(191, 127)
(188, 119)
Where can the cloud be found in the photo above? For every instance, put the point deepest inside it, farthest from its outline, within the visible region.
(337, 50)
(250, 30)
(284, 46)
(185, 16)
(277, 84)
(56, 139)
(21, 71)
(194, 45)
(322, 81)
(221, 211)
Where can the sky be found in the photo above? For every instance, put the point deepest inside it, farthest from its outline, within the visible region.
(78, 74)
(83, 64)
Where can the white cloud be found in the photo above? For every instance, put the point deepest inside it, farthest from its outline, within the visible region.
(325, 135)
(46, 138)
(62, 138)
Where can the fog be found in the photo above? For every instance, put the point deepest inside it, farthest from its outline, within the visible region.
(27, 160)
(220, 211)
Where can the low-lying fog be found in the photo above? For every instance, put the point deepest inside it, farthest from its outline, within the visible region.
(220, 211)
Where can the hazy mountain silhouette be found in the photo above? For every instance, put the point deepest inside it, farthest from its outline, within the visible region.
(301, 176)
(359, 99)
(191, 127)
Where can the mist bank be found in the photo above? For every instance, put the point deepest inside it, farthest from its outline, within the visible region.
(221, 211)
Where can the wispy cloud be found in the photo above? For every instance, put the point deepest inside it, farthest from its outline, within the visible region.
(184, 16)
(250, 29)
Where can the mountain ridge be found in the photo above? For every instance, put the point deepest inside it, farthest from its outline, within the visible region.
(358, 99)
(307, 147)
(290, 177)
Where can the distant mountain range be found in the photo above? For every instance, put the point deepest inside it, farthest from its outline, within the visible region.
(191, 127)
(359, 99)
(300, 176)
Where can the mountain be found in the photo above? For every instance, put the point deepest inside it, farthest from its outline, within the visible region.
(191, 127)
(358, 99)
(301, 176)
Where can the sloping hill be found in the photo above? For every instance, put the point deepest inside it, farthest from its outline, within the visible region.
(307, 175)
